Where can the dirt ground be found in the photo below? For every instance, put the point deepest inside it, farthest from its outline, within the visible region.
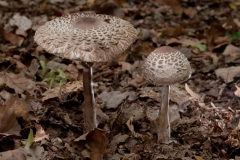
(41, 95)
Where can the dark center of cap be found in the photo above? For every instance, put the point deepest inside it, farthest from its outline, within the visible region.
(85, 23)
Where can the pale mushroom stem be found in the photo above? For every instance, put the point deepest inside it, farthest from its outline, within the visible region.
(164, 124)
(90, 121)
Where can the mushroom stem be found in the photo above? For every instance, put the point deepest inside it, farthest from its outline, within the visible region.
(90, 121)
(164, 124)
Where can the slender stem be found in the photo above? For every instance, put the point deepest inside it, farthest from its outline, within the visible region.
(164, 125)
(90, 121)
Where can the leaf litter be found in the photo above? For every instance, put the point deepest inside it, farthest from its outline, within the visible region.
(204, 113)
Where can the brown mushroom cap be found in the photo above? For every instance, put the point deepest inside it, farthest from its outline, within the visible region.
(86, 37)
(166, 66)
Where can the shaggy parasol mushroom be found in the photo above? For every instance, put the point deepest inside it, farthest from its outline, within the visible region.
(87, 37)
(165, 66)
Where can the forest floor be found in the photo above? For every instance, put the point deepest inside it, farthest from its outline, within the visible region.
(44, 93)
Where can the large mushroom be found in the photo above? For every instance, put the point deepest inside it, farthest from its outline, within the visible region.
(89, 38)
(163, 67)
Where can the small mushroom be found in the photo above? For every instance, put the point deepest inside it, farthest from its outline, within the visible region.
(163, 67)
(86, 37)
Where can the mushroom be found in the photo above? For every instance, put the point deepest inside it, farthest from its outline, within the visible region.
(165, 66)
(89, 38)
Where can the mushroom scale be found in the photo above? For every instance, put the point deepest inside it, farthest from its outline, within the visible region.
(87, 37)
(166, 66)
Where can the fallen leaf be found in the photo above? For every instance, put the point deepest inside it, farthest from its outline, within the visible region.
(40, 135)
(22, 22)
(215, 36)
(152, 113)
(231, 53)
(198, 158)
(130, 125)
(18, 82)
(131, 156)
(193, 94)
(179, 96)
(237, 92)
(12, 38)
(65, 89)
(16, 154)
(33, 68)
(18, 106)
(149, 93)
(90, 1)
(186, 42)
(8, 121)
(97, 141)
(4, 4)
(190, 11)
(113, 99)
(81, 138)
(118, 139)
(173, 31)
(137, 82)
(134, 110)
(34, 152)
(228, 74)
(174, 4)
(174, 113)
(55, 65)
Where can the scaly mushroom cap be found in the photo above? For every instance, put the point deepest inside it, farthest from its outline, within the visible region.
(166, 66)
(86, 37)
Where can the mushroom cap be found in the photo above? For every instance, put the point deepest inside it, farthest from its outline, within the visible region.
(87, 37)
(166, 66)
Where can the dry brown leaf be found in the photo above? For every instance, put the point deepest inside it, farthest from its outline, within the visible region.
(198, 158)
(81, 138)
(118, 139)
(33, 68)
(4, 4)
(18, 105)
(130, 125)
(97, 141)
(134, 110)
(113, 99)
(90, 1)
(185, 41)
(40, 134)
(215, 36)
(16, 154)
(231, 53)
(34, 152)
(66, 89)
(152, 113)
(174, 4)
(173, 31)
(137, 82)
(237, 92)
(174, 113)
(8, 121)
(149, 93)
(18, 82)
(179, 96)
(190, 11)
(22, 22)
(125, 66)
(193, 94)
(12, 38)
(228, 74)
(131, 156)
(237, 158)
